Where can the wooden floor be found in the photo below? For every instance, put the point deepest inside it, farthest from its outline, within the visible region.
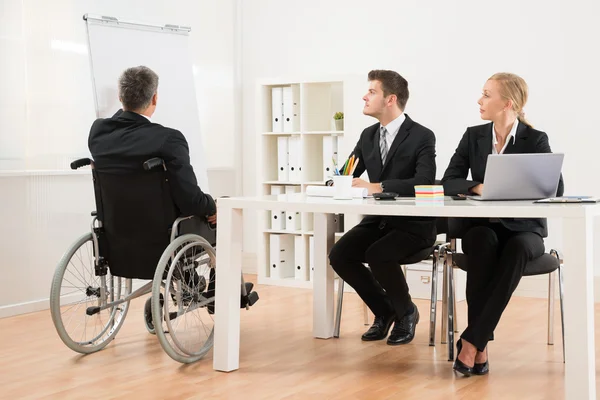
(281, 360)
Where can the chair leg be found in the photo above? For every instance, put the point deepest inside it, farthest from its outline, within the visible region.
(444, 328)
(338, 314)
(433, 301)
(562, 310)
(454, 316)
(551, 288)
(450, 313)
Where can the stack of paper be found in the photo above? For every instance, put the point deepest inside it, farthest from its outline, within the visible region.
(434, 192)
(329, 191)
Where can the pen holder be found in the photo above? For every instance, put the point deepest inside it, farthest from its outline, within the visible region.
(343, 187)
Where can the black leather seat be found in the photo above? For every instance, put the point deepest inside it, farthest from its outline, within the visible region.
(545, 264)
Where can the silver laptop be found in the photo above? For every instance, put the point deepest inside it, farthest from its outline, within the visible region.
(521, 176)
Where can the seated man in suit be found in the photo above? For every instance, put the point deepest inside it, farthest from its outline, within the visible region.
(129, 138)
(397, 154)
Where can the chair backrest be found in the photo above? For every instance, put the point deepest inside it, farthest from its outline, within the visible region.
(137, 212)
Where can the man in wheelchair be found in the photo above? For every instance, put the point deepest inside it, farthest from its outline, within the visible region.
(122, 144)
(152, 222)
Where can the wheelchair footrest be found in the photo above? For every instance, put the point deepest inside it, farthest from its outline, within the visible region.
(249, 299)
(92, 310)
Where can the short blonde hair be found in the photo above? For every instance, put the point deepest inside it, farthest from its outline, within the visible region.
(514, 88)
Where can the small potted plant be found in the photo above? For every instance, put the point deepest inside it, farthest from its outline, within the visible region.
(338, 117)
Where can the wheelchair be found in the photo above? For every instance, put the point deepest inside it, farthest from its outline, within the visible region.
(93, 281)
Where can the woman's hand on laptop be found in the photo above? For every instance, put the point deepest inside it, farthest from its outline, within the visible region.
(477, 189)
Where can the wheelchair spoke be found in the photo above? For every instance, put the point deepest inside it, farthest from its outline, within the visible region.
(83, 274)
(83, 282)
(77, 306)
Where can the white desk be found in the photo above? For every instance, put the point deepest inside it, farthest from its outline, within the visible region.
(577, 248)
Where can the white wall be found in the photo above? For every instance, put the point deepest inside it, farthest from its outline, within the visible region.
(446, 50)
(46, 109)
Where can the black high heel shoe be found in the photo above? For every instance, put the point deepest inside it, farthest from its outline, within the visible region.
(482, 368)
(459, 366)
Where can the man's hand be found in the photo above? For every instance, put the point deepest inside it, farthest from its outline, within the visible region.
(477, 189)
(212, 219)
(371, 187)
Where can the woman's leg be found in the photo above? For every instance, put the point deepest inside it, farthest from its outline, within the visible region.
(519, 249)
(481, 245)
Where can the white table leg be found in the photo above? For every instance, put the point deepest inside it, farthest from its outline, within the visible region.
(228, 290)
(323, 277)
(580, 368)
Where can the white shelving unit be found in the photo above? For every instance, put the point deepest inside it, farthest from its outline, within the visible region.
(315, 103)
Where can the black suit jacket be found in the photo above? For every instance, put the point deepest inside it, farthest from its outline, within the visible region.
(410, 161)
(472, 153)
(122, 143)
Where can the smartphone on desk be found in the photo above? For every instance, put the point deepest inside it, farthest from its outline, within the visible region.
(459, 197)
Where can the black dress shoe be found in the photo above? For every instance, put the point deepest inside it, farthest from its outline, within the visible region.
(460, 366)
(404, 328)
(482, 368)
(379, 329)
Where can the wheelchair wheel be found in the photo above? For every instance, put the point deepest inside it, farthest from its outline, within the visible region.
(185, 277)
(148, 321)
(148, 316)
(75, 287)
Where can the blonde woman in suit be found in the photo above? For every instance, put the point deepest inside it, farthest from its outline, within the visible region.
(497, 249)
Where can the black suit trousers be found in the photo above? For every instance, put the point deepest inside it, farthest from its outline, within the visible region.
(497, 258)
(383, 288)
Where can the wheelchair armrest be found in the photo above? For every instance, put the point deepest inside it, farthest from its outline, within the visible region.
(82, 162)
(175, 227)
(154, 163)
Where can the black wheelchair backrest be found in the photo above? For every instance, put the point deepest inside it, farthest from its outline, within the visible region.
(137, 212)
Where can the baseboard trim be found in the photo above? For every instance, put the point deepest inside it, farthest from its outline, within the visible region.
(249, 263)
(43, 304)
(24, 308)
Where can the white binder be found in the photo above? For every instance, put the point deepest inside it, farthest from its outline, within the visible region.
(292, 189)
(281, 256)
(295, 159)
(275, 189)
(311, 256)
(277, 220)
(277, 109)
(292, 221)
(329, 156)
(341, 153)
(291, 100)
(282, 159)
(300, 267)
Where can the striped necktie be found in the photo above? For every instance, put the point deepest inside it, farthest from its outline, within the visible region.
(383, 144)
